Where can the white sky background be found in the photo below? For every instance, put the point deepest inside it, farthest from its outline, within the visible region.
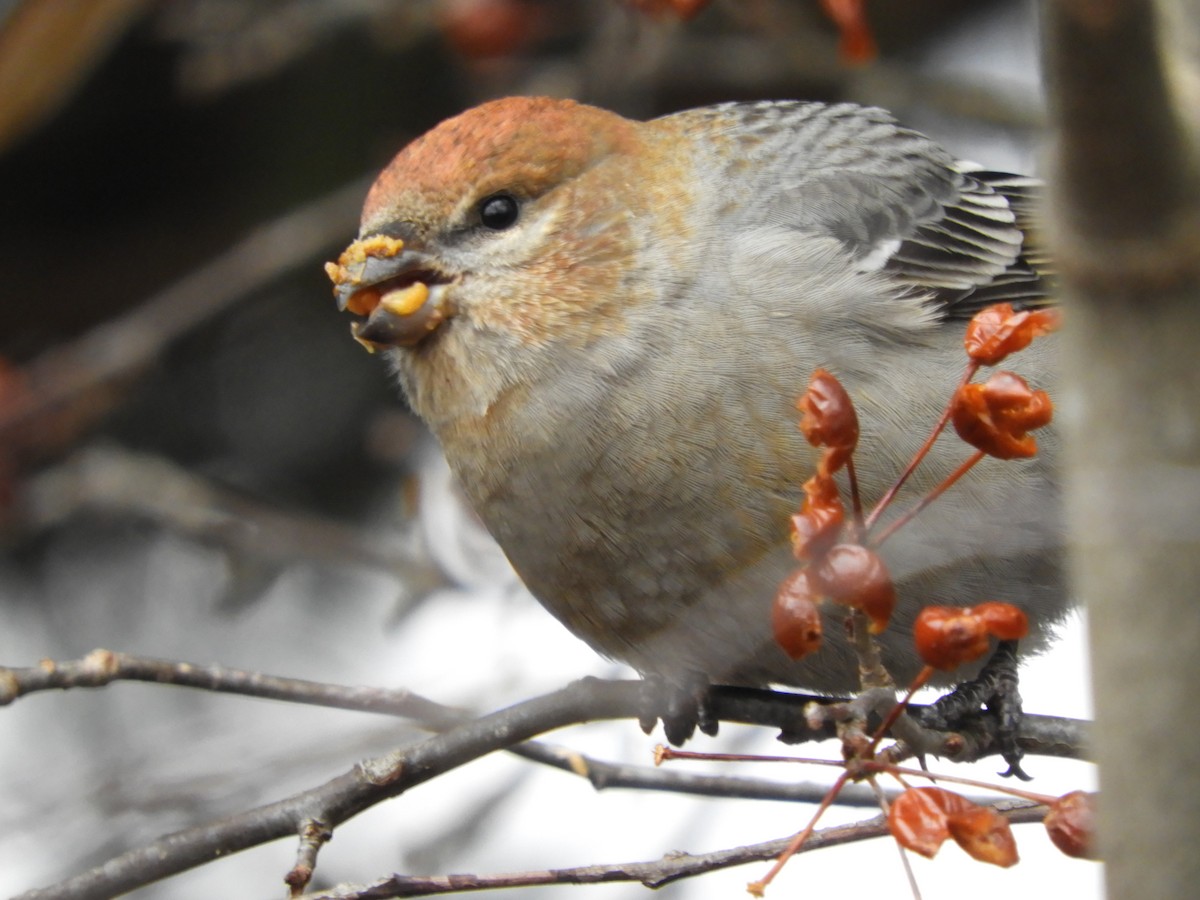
(87, 774)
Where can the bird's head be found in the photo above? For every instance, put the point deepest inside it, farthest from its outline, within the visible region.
(509, 218)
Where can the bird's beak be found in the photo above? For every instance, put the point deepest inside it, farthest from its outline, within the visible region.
(398, 290)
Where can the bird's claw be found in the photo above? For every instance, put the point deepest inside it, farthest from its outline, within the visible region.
(995, 689)
(682, 707)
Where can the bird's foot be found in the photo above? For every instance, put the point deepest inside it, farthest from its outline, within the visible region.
(994, 689)
(682, 706)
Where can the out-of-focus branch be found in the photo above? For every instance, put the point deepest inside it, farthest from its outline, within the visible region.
(244, 42)
(113, 480)
(1117, 126)
(128, 343)
(47, 49)
(633, 63)
(1127, 227)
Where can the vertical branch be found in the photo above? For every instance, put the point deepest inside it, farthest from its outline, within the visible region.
(1126, 223)
(314, 834)
(1122, 169)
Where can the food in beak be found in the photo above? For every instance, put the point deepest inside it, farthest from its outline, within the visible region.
(400, 307)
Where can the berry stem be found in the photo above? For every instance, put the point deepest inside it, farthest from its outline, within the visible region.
(927, 499)
(860, 526)
(887, 498)
(898, 771)
(756, 888)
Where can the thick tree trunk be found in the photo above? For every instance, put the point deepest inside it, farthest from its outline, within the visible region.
(1125, 220)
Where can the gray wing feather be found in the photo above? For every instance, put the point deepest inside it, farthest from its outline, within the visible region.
(894, 199)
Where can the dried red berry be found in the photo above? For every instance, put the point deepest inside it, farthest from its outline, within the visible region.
(1004, 621)
(854, 576)
(818, 525)
(1070, 825)
(795, 618)
(829, 420)
(996, 416)
(949, 636)
(917, 819)
(998, 330)
(984, 834)
(922, 818)
(487, 29)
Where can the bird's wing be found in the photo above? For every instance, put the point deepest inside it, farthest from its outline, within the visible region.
(946, 254)
(895, 200)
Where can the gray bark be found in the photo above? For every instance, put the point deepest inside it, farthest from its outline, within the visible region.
(1126, 231)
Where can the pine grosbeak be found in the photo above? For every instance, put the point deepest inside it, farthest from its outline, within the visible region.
(606, 323)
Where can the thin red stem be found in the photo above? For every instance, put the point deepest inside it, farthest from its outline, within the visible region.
(860, 526)
(897, 771)
(888, 497)
(758, 887)
(954, 476)
(874, 767)
(669, 754)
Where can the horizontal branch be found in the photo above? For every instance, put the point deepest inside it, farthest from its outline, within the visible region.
(375, 780)
(604, 775)
(103, 667)
(653, 874)
(1057, 736)
(368, 783)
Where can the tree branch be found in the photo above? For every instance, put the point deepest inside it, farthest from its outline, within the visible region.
(1039, 735)
(103, 667)
(375, 780)
(1126, 223)
(113, 479)
(129, 342)
(314, 835)
(654, 874)
(366, 784)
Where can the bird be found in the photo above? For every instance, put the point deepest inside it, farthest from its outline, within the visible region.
(606, 324)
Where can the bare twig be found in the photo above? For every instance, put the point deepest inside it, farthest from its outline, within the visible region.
(1040, 735)
(314, 835)
(367, 784)
(655, 874)
(605, 775)
(103, 667)
(370, 782)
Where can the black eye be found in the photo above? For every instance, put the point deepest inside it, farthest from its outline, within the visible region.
(499, 211)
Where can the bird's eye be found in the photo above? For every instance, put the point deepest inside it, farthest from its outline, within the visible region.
(499, 211)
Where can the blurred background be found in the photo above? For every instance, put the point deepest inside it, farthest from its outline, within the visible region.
(197, 463)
